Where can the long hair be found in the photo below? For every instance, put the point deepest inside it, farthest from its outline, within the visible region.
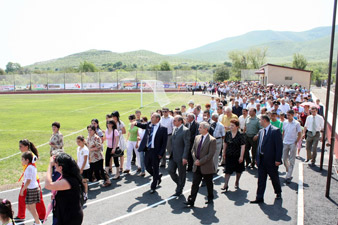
(69, 167)
(81, 138)
(117, 115)
(6, 211)
(97, 122)
(30, 145)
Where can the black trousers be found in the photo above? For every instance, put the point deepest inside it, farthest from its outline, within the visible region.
(263, 172)
(108, 156)
(97, 168)
(152, 163)
(197, 178)
(190, 160)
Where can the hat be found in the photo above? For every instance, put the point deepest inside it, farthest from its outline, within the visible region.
(191, 102)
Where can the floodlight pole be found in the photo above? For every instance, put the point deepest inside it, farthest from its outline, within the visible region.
(328, 84)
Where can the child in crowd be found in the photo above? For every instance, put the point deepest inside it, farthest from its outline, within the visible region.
(6, 212)
(83, 163)
(31, 185)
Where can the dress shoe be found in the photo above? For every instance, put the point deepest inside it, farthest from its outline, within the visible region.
(278, 196)
(126, 171)
(307, 160)
(152, 191)
(210, 201)
(257, 201)
(159, 180)
(189, 204)
(177, 194)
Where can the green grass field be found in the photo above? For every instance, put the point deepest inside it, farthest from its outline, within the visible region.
(31, 116)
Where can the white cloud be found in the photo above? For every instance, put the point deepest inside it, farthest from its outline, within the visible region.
(39, 30)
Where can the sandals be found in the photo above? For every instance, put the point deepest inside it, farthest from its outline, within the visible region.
(106, 184)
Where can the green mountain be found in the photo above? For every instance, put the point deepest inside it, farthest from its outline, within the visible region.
(313, 44)
(99, 57)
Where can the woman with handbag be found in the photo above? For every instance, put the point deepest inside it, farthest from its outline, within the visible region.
(112, 138)
(95, 156)
(122, 130)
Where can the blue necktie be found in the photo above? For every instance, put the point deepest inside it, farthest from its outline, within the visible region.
(150, 141)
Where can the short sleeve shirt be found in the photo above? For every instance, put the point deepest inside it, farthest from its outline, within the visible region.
(81, 153)
(30, 174)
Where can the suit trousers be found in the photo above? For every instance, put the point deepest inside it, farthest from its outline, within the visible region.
(152, 162)
(289, 157)
(250, 144)
(263, 172)
(190, 160)
(311, 146)
(164, 158)
(219, 143)
(197, 178)
(181, 177)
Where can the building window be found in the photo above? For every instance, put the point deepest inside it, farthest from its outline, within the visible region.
(288, 78)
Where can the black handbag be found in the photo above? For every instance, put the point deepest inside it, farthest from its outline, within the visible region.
(118, 151)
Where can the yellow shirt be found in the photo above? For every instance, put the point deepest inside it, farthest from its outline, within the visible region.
(226, 119)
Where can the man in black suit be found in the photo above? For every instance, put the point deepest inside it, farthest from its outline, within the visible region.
(269, 157)
(154, 143)
(193, 126)
(321, 108)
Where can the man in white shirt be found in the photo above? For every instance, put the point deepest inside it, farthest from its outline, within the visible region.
(314, 124)
(239, 99)
(168, 122)
(252, 103)
(292, 133)
(191, 106)
(284, 107)
(242, 119)
(198, 115)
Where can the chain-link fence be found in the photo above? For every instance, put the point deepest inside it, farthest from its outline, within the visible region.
(177, 79)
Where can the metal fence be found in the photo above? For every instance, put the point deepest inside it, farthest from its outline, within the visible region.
(103, 80)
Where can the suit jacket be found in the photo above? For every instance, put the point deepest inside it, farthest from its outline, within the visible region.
(207, 153)
(160, 141)
(272, 146)
(180, 144)
(193, 132)
(321, 110)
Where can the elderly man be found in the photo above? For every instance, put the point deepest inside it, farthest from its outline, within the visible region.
(193, 128)
(178, 158)
(203, 152)
(228, 115)
(198, 114)
(251, 129)
(167, 121)
(284, 107)
(237, 109)
(219, 134)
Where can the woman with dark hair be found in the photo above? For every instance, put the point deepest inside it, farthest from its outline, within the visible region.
(141, 154)
(56, 140)
(95, 155)
(112, 138)
(99, 132)
(122, 130)
(68, 203)
(233, 154)
(6, 212)
(27, 146)
(132, 142)
(159, 111)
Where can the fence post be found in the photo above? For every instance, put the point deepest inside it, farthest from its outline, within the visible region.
(30, 81)
(81, 81)
(64, 81)
(14, 84)
(47, 82)
(136, 79)
(117, 80)
(99, 81)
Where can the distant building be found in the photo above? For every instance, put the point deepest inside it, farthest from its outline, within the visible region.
(283, 75)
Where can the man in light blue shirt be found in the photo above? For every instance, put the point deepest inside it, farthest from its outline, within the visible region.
(219, 134)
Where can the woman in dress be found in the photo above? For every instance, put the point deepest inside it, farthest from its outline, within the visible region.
(56, 141)
(95, 156)
(68, 203)
(122, 130)
(234, 148)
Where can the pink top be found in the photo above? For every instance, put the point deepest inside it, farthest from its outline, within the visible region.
(109, 137)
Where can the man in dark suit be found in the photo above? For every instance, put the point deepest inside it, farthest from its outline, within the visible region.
(203, 152)
(269, 157)
(321, 108)
(154, 143)
(178, 158)
(193, 125)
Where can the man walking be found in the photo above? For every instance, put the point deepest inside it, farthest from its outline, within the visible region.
(153, 144)
(178, 158)
(193, 128)
(203, 152)
(251, 129)
(269, 157)
(219, 134)
(167, 121)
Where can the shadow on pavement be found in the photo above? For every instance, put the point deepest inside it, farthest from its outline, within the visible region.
(275, 212)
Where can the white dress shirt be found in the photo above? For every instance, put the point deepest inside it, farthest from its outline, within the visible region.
(250, 105)
(154, 134)
(319, 123)
(284, 108)
(242, 121)
(168, 123)
(291, 130)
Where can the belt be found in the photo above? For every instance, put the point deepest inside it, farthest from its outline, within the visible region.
(218, 137)
(169, 134)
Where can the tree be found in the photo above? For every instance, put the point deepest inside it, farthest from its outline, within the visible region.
(87, 67)
(222, 73)
(2, 72)
(299, 61)
(12, 67)
(256, 57)
(239, 61)
(165, 66)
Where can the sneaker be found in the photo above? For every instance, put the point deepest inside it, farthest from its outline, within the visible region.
(18, 220)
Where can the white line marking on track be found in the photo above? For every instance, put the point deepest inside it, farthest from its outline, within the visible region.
(148, 207)
(300, 211)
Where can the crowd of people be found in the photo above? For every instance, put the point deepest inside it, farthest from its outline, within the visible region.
(244, 126)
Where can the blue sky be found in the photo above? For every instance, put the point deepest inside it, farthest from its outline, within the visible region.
(38, 30)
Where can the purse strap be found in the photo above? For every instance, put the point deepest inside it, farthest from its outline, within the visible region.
(113, 138)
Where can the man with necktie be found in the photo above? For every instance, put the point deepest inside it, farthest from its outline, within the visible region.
(193, 128)
(269, 157)
(203, 152)
(178, 157)
(154, 143)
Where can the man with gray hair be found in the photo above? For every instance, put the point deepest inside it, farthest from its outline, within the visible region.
(178, 157)
(219, 134)
(228, 115)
